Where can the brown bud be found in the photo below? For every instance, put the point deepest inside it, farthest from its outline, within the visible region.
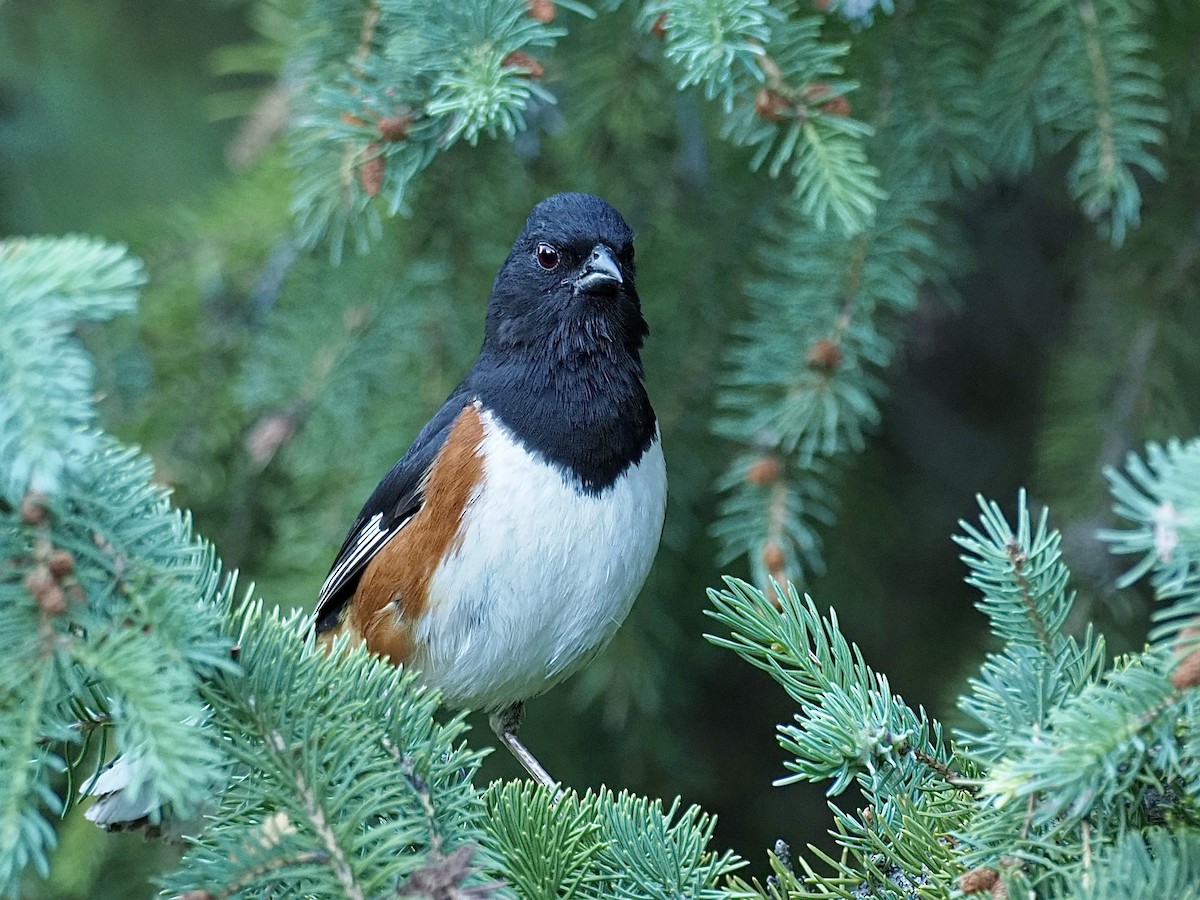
(195, 895)
(825, 355)
(821, 5)
(33, 508)
(1187, 672)
(838, 106)
(53, 600)
(46, 591)
(37, 580)
(773, 106)
(541, 11)
(519, 59)
(763, 470)
(351, 119)
(659, 28)
(818, 93)
(773, 558)
(61, 563)
(370, 171)
(395, 128)
(978, 879)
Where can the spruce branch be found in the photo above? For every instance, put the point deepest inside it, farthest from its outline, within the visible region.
(1020, 573)
(935, 95)
(834, 180)
(315, 737)
(157, 723)
(717, 43)
(1160, 496)
(1015, 690)
(1073, 759)
(656, 852)
(316, 818)
(1074, 755)
(803, 385)
(26, 837)
(774, 520)
(261, 873)
(110, 605)
(383, 88)
(1084, 79)
(849, 726)
(137, 629)
(525, 819)
(1106, 161)
(46, 407)
(602, 845)
(1093, 748)
(1160, 863)
(1128, 118)
(782, 91)
(902, 843)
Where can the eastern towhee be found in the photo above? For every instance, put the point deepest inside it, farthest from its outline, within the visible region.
(505, 548)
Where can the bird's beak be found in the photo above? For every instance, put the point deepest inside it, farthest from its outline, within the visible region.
(602, 273)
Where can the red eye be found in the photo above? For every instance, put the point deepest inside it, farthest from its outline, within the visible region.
(547, 256)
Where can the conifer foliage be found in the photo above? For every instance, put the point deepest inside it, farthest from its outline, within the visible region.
(110, 608)
(868, 122)
(292, 769)
(874, 115)
(328, 775)
(1076, 774)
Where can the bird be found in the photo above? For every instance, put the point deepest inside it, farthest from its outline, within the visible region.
(508, 544)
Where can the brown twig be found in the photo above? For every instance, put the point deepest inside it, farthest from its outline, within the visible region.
(274, 865)
(947, 774)
(335, 856)
(1018, 558)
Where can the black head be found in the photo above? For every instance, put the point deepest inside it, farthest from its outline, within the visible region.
(567, 287)
(560, 364)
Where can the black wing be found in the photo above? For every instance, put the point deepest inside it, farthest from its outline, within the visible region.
(393, 502)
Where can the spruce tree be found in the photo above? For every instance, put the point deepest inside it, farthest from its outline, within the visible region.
(808, 181)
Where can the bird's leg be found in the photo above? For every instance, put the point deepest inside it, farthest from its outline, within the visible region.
(505, 723)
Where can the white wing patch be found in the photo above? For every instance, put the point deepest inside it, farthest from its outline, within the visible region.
(367, 541)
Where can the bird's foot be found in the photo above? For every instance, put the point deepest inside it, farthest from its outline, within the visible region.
(505, 723)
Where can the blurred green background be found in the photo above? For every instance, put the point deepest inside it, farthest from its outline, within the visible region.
(273, 389)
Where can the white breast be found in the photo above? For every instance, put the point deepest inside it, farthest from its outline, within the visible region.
(543, 577)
